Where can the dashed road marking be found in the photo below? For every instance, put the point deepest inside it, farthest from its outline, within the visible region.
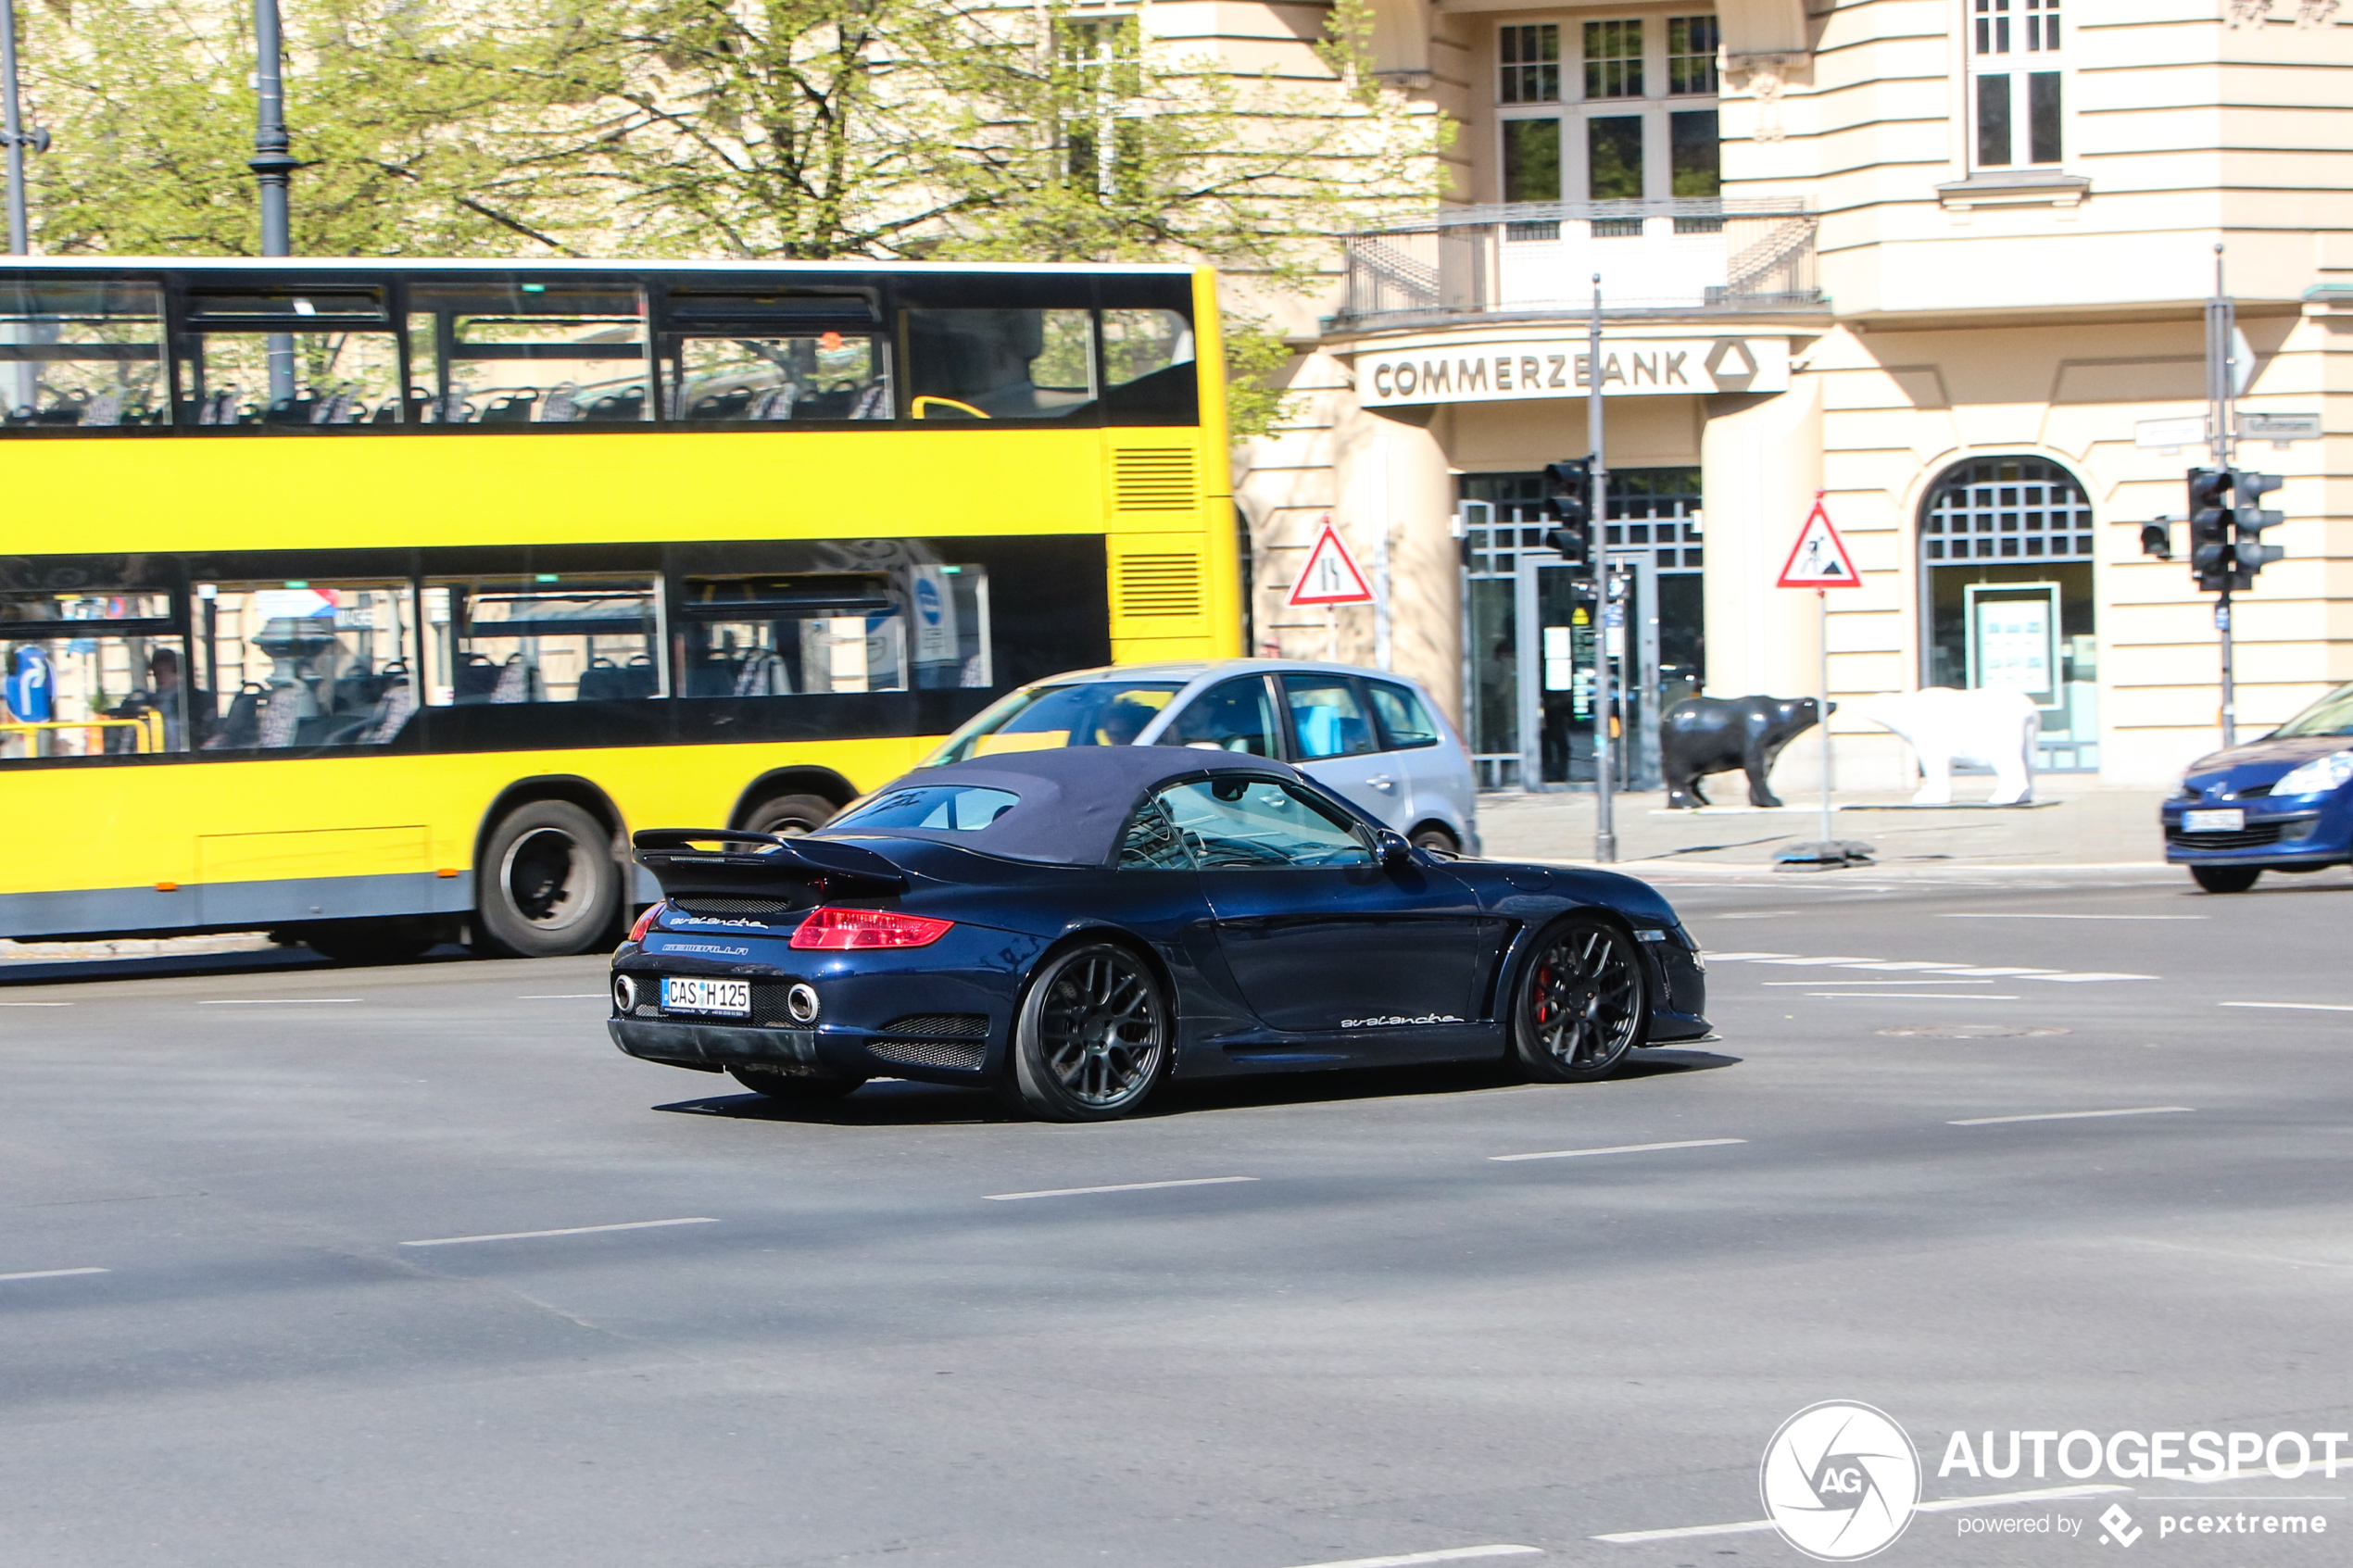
(2291, 1006)
(2072, 1115)
(568, 1230)
(1452, 1554)
(1121, 1186)
(1983, 915)
(1942, 1505)
(1619, 1148)
(52, 1273)
(1919, 996)
(276, 1001)
(1920, 966)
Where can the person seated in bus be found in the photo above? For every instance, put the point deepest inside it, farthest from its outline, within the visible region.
(984, 359)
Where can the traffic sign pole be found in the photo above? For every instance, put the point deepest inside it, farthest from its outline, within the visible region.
(1818, 560)
(1604, 818)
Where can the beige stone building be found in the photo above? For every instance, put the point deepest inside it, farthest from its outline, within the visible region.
(1943, 261)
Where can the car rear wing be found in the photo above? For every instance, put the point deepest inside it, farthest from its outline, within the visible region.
(730, 860)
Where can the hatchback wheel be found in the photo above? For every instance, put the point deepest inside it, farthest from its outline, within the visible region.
(1582, 1003)
(2226, 879)
(1092, 1037)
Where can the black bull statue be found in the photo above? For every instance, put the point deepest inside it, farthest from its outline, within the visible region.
(1714, 735)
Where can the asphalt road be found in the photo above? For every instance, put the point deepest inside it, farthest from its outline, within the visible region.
(1361, 1333)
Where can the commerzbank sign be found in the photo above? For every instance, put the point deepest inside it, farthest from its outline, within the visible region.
(1503, 369)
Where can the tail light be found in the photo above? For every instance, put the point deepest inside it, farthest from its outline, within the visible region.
(645, 921)
(832, 929)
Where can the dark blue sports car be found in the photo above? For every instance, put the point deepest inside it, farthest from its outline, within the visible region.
(2283, 803)
(1072, 926)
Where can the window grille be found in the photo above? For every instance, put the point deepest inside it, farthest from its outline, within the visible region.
(2009, 509)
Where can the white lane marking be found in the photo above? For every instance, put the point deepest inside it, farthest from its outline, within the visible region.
(35, 1004)
(568, 1230)
(1910, 964)
(1921, 967)
(2072, 1115)
(1918, 996)
(274, 1001)
(1942, 1505)
(2075, 979)
(1743, 958)
(1452, 1554)
(1621, 1149)
(1799, 961)
(2005, 973)
(2294, 1007)
(51, 1273)
(564, 996)
(1904, 982)
(1121, 1186)
(1983, 916)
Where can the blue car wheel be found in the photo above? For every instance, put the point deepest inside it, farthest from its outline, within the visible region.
(2226, 879)
(1582, 1002)
(1092, 1036)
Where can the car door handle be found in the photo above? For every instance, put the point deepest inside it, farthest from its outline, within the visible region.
(1381, 780)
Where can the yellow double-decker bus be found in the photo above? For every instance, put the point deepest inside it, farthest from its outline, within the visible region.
(375, 603)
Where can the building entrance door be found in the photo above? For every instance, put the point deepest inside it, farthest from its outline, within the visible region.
(1561, 626)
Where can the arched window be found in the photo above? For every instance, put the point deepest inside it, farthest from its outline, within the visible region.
(2007, 595)
(2007, 509)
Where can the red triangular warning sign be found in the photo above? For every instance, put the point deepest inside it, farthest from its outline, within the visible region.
(1820, 559)
(1330, 576)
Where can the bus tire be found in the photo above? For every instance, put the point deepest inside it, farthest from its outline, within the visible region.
(790, 814)
(547, 885)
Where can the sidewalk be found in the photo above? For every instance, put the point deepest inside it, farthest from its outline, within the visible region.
(2069, 824)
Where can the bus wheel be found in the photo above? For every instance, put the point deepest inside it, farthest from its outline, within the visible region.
(790, 814)
(547, 884)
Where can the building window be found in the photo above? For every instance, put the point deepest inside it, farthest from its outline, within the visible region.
(1531, 160)
(1614, 59)
(1691, 55)
(2014, 50)
(1531, 64)
(1614, 159)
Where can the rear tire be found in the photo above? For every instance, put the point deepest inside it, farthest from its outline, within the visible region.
(1094, 1037)
(788, 815)
(547, 885)
(2226, 879)
(1438, 840)
(1581, 1002)
(793, 1088)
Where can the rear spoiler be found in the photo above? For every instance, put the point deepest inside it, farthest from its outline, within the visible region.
(742, 862)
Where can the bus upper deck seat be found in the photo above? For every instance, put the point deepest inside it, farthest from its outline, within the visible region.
(476, 678)
(519, 682)
(604, 681)
(514, 409)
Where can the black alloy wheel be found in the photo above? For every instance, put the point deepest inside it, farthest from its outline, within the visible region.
(1582, 1001)
(1092, 1037)
(2226, 879)
(804, 1089)
(788, 816)
(547, 884)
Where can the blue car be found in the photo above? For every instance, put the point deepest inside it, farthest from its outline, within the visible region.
(2278, 804)
(1072, 927)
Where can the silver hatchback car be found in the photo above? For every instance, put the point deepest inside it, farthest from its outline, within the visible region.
(1371, 737)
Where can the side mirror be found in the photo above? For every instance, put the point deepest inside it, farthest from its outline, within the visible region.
(1394, 850)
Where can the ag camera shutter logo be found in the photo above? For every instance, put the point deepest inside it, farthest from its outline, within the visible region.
(1840, 1481)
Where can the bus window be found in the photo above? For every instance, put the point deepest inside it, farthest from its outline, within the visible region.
(951, 628)
(506, 352)
(303, 664)
(89, 673)
(1148, 369)
(542, 638)
(82, 353)
(825, 375)
(289, 356)
(789, 635)
(999, 364)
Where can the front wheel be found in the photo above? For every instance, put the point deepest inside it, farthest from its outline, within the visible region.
(1582, 1001)
(1092, 1037)
(547, 885)
(2226, 879)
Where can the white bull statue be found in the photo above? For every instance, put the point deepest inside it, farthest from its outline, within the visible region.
(1989, 727)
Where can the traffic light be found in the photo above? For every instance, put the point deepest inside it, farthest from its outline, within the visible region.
(2211, 493)
(2156, 539)
(1568, 505)
(2250, 553)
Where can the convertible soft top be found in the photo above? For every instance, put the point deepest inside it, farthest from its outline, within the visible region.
(1073, 803)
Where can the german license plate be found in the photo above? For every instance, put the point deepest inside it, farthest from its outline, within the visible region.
(727, 998)
(2229, 820)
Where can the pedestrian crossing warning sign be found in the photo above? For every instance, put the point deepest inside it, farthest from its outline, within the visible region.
(1820, 559)
(1330, 576)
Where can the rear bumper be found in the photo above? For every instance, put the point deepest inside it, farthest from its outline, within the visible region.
(714, 1047)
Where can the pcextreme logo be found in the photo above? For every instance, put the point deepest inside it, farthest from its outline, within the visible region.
(1840, 1481)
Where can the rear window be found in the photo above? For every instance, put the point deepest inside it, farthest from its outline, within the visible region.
(1082, 714)
(940, 807)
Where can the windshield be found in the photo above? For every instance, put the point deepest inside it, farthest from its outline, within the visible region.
(1080, 713)
(2333, 715)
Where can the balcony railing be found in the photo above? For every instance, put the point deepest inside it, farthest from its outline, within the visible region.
(1671, 256)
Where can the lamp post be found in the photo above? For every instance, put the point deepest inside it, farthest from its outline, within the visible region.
(18, 230)
(1604, 821)
(273, 164)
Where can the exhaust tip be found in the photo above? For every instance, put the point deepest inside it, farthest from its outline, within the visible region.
(802, 1002)
(624, 994)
